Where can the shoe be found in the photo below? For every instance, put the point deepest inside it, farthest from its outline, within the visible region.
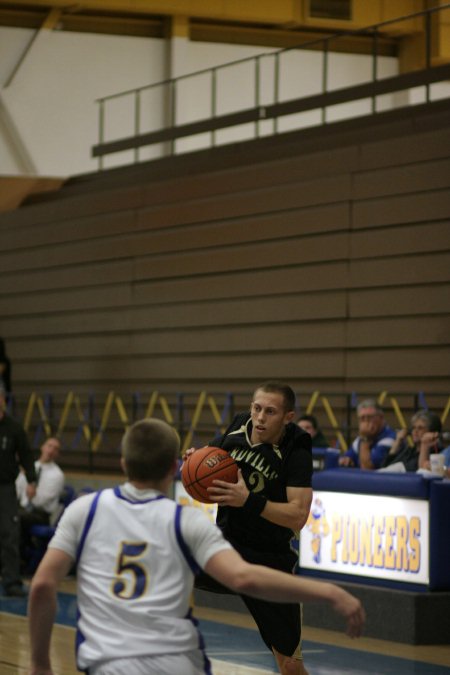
(16, 591)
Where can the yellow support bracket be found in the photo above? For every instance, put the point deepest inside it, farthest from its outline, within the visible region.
(65, 412)
(382, 397)
(151, 404)
(166, 410)
(216, 414)
(330, 414)
(37, 401)
(122, 412)
(334, 424)
(195, 419)
(154, 398)
(446, 411)
(401, 419)
(105, 417)
(82, 419)
(29, 410)
(312, 402)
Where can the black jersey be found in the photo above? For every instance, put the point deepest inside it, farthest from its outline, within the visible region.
(267, 470)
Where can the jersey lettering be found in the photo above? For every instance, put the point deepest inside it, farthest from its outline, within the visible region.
(131, 576)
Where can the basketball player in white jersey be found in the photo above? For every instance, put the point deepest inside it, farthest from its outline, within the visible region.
(137, 552)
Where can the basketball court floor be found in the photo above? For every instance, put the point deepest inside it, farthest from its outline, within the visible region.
(233, 645)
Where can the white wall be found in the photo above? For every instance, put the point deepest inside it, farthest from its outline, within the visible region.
(51, 98)
(50, 119)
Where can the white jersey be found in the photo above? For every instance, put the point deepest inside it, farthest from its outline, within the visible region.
(137, 553)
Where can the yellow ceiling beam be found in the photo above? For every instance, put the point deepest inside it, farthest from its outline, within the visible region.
(52, 18)
(265, 11)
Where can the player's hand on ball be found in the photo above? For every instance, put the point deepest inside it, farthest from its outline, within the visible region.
(188, 453)
(229, 494)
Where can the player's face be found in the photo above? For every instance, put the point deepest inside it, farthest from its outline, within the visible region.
(269, 417)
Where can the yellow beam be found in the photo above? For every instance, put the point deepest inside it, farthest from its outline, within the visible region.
(52, 18)
(282, 13)
(265, 11)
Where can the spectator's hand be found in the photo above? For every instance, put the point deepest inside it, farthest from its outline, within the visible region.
(229, 494)
(368, 428)
(429, 439)
(345, 461)
(401, 434)
(31, 491)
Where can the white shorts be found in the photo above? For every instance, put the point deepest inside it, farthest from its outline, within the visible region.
(191, 663)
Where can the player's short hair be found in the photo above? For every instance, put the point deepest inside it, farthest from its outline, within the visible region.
(272, 387)
(149, 449)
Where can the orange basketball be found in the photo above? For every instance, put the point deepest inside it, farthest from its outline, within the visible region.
(202, 467)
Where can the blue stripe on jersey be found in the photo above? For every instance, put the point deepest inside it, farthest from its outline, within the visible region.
(118, 494)
(182, 544)
(201, 644)
(87, 525)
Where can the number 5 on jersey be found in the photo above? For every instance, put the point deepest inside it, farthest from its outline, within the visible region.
(131, 576)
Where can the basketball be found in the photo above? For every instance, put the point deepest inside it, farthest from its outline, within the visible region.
(202, 467)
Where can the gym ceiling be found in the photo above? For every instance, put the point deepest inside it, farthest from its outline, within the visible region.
(271, 23)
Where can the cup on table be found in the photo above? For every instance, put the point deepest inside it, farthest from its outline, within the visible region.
(437, 464)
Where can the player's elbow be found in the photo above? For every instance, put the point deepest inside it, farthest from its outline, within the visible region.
(301, 518)
(42, 588)
(244, 581)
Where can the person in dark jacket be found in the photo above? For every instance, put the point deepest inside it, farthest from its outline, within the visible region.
(411, 454)
(309, 424)
(5, 367)
(15, 452)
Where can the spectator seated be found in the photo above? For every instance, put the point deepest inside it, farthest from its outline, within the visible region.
(41, 534)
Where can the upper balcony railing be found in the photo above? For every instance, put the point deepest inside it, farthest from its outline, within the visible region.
(312, 84)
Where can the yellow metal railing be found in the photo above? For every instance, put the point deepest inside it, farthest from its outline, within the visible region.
(205, 407)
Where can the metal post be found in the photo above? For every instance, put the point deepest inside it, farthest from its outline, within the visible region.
(257, 93)
(137, 120)
(173, 111)
(101, 131)
(374, 68)
(427, 50)
(213, 102)
(324, 78)
(276, 89)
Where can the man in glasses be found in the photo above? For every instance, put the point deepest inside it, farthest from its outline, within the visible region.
(374, 440)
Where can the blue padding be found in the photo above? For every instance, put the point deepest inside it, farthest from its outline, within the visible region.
(440, 535)
(318, 453)
(373, 483)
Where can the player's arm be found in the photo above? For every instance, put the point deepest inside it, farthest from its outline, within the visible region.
(292, 514)
(230, 569)
(42, 607)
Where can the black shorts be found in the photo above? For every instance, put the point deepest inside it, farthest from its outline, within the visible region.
(279, 624)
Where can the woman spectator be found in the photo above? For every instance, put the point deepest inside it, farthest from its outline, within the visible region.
(425, 434)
